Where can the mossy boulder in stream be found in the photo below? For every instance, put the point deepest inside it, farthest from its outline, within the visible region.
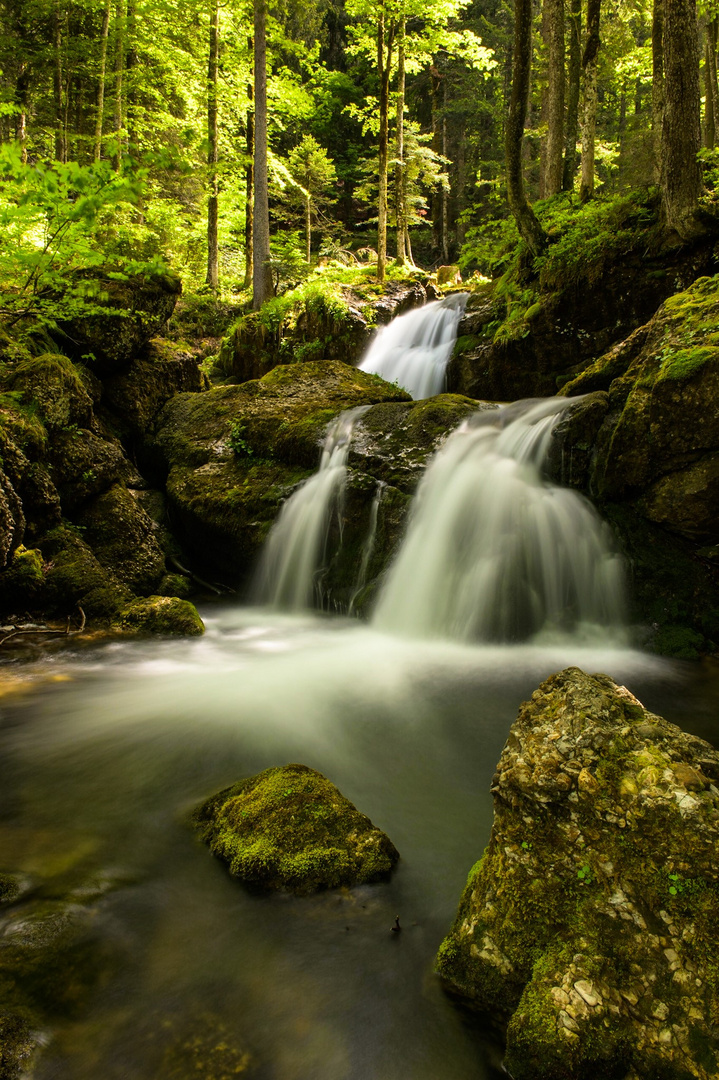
(161, 615)
(590, 924)
(290, 828)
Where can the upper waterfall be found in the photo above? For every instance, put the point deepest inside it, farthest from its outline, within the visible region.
(414, 349)
(493, 551)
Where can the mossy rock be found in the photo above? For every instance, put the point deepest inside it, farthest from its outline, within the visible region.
(23, 582)
(9, 888)
(83, 465)
(52, 385)
(136, 396)
(73, 576)
(201, 1046)
(122, 537)
(161, 616)
(290, 828)
(17, 1045)
(590, 924)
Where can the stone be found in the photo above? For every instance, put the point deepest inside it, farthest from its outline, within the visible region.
(123, 538)
(290, 828)
(603, 911)
(164, 616)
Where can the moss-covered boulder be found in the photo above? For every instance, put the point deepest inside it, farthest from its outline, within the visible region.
(590, 924)
(122, 537)
(290, 828)
(52, 385)
(128, 313)
(74, 577)
(164, 616)
(17, 1045)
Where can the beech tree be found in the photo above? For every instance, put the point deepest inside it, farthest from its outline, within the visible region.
(681, 138)
(527, 222)
(261, 265)
(589, 124)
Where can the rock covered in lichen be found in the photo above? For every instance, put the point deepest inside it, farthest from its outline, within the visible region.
(590, 924)
(291, 828)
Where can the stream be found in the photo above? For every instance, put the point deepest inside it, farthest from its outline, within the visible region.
(107, 751)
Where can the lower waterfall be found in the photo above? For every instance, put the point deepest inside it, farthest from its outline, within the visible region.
(414, 349)
(493, 551)
(289, 574)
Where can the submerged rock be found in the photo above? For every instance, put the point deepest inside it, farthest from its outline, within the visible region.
(291, 828)
(590, 923)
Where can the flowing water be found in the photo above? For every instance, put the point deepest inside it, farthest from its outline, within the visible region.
(290, 571)
(101, 770)
(494, 552)
(414, 349)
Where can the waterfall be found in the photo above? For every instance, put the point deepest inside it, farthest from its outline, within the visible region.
(414, 349)
(493, 551)
(368, 546)
(293, 558)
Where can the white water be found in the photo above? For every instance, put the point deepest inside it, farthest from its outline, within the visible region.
(294, 556)
(414, 349)
(496, 553)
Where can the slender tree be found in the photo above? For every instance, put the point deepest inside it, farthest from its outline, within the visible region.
(101, 79)
(213, 266)
(554, 32)
(400, 193)
(527, 222)
(386, 29)
(249, 172)
(261, 266)
(589, 126)
(574, 75)
(681, 129)
(120, 23)
(657, 85)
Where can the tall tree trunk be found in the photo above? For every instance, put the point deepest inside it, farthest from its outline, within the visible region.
(399, 184)
(461, 185)
(261, 267)
(710, 84)
(308, 228)
(60, 146)
(589, 63)
(657, 85)
(130, 76)
(249, 176)
(213, 268)
(120, 19)
(101, 79)
(444, 234)
(22, 88)
(555, 96)
(527, 223)
(574, 81)
(385, 39)
(681, 138)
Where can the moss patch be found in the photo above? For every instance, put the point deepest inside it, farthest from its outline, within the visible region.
(161, 615)
(290, 828)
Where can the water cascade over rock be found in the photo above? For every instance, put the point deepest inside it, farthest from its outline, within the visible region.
(493, 551)
(289, 575)
(414, 349)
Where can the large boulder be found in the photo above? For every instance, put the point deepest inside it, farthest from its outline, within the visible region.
(589, 926)
(291, 828)
(644, 443)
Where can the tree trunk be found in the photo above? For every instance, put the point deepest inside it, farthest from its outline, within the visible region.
(444, 235)
(249, 171)
(555, 96)
(527, 223)
(213, 267)
(130, 78)
(101, 80)
(261, 266)
(589, 63)
(713, 31)
(574, 81)
(657, 85)
(22, 87)
(120, 18)
(60, 145)
(681, 138)
(399, 185)
(461, 186)
(385, 37)
(710, 84)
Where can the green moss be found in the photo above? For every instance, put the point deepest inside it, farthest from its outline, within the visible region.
(74, 576)
(9, 889)
(290, 828)
(22, 583)
(16, 1045)
(678, 641)
(161, 615)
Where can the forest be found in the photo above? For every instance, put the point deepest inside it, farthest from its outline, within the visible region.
(359, 455)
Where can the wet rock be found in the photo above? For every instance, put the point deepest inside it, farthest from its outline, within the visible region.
(73, 576)
(164, 616)
(123, 538)
(589, 926)
(290, 828)
(136, 395)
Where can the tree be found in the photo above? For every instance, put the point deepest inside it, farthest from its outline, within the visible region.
(589, 64)
(574, 73)
(527, 223)
(311, 167)
(213, 272)
(681, 127)
(261, 265)
(553, 26)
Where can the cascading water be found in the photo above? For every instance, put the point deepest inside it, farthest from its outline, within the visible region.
(414, 349)
(294, 555)
(496, 553)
